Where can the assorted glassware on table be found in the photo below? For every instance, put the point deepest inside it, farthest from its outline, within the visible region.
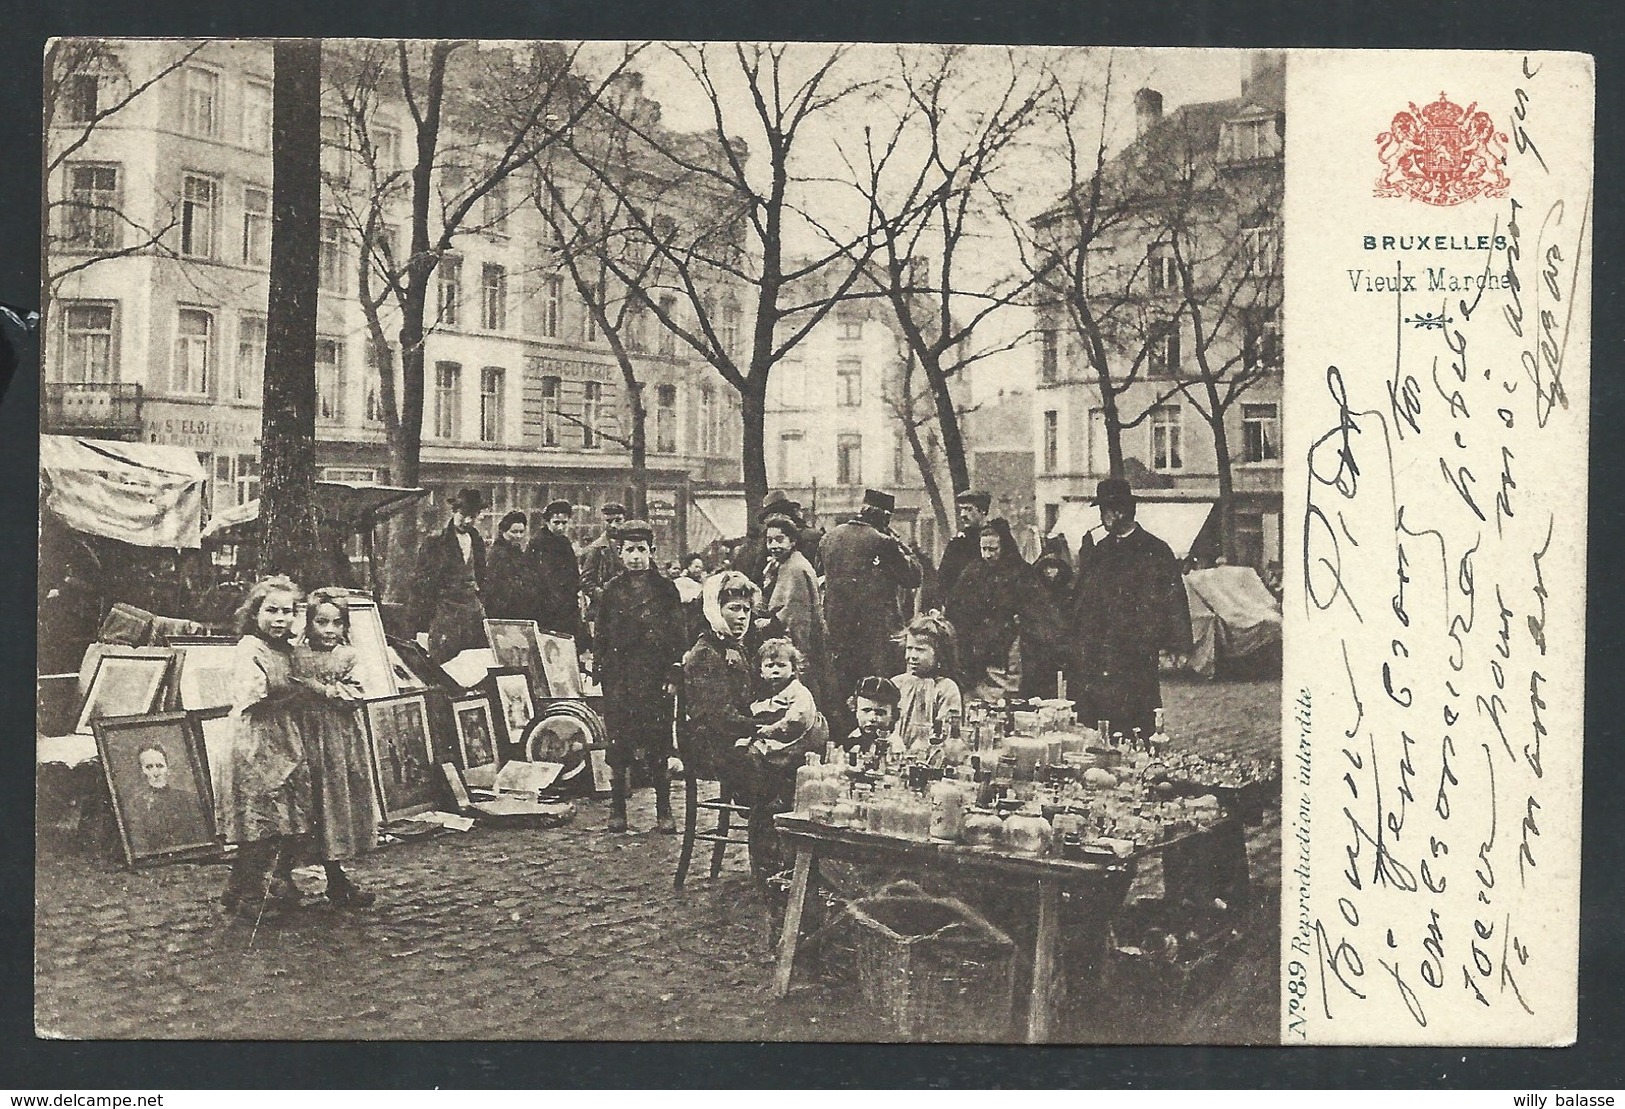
(1023, 777)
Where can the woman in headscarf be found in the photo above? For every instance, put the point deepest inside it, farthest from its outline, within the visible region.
(1042, 658)
(791, 590)
(994, 606)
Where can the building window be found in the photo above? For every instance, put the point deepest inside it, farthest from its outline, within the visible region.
(848, 382)
(448, 384)
(792, 379)
(1162, 269)
(1263, 250)
(589, 317)
(792, 458)
(88, 343)
(381, 360)
(552, 304)
(900, 459)
(92, 210)
(386, 148)
(333, 131)
(257, 115)
(1164, 353)
(202, 102)
(1249, 140)
(849, 459)
(633, 325)
(1099, 448)
(491, 380)
(494, 208)
(332, 257)
(330, 381)
(592, 405)
(550, 411)
(256, 226)
(667, 341)
(200, 197)
(665, 419)
(850, 329)
(450, 288)
(1052, 517)
(707, 420)
(1167, 438)
(194, 336)
(493, 297)
(1260, 339)
(83, 94)
(1049, 357)
(245, 381)
(1260, 432)
(236, 480)
(728, 332)
(1052, 441)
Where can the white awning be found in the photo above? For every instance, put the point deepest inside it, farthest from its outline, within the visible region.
(1176, 523)
(352, 506)
(721, 516)
(148, 494)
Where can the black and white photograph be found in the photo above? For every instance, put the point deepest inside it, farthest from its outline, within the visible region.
(897, 431)
(153, 766)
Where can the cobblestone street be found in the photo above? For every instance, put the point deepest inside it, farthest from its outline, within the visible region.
(506, 933)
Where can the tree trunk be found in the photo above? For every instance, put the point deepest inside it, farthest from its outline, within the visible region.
(1114, 425)
(753, 413)
(1227, 486)
(953, 439)
(933, 488)
(288, 417)
(640, 440)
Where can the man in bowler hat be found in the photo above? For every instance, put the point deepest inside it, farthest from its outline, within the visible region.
(445, 593)
(865, 565)
(1128, 605)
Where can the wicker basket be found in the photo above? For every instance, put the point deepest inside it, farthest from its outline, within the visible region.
(932, 966)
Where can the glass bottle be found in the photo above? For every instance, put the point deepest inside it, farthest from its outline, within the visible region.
(1159, 737)
(809, 785)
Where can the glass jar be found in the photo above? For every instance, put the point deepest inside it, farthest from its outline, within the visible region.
(1028, 833)
(983, 828)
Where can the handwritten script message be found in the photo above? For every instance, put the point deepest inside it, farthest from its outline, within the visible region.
(1435, 649)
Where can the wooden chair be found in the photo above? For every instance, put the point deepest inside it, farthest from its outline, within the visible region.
(726, 831)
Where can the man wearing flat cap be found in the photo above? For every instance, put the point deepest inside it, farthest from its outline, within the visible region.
(601, 561)
(751, 557)
(865, 565)
(445, 593)
(963, 549)
(561, 573)
(1128, 605)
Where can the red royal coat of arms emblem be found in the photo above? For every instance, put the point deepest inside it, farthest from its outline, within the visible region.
(1442, 154)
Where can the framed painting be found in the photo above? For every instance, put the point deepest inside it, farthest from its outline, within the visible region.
(161, 795)
(124, 685)
(403, 756)
(513, 698)
(561, 666)
(216, 728)
(477, 739)
(374, 668)
(203, 670)
(517, 643)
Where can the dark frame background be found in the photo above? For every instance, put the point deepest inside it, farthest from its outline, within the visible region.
(1588, 25)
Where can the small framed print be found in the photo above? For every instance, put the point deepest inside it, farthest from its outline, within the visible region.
(124, 685)
(516, 643)
(373, 668)
(476, 739)
(561, 665)
(203, 670)
(403, 755)
(160, 789)
(513, 699)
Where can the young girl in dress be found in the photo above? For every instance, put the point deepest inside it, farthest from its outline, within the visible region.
(263, 793)
(928, 695)
(345, 805)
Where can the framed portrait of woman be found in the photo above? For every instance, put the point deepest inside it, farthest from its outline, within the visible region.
(161, 794)
(476, 739)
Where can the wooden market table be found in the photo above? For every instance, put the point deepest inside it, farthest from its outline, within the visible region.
(813, 841)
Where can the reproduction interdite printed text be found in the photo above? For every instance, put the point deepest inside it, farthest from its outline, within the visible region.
(1438, 289)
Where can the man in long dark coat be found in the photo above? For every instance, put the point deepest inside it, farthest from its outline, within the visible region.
(1128, 605)
(445, 591)
(864, 566)
(963, 549)
(561, 573)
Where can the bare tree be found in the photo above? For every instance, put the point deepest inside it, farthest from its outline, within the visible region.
(289, 542)
(915, 411)
(945, 214)
(764, 229)
(87, 84)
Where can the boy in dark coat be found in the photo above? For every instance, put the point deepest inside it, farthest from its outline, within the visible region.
(638, 637)
(556, 556)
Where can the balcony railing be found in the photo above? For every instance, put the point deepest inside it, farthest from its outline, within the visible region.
(101, 408)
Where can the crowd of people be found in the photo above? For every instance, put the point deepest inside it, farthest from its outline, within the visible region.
(799, 637)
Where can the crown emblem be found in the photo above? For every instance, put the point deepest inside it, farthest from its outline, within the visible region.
(1442, 154)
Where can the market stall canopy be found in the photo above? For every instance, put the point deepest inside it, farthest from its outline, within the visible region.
(1176, 523)
(355, 507)
(1248, 615)
(145, 494)
(716, 517)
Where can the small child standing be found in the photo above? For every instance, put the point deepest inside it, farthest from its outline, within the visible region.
(926, 694)
(790, 723)
(637, 640)
(345, 808)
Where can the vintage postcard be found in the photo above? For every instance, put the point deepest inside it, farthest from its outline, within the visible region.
(1075, 545)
